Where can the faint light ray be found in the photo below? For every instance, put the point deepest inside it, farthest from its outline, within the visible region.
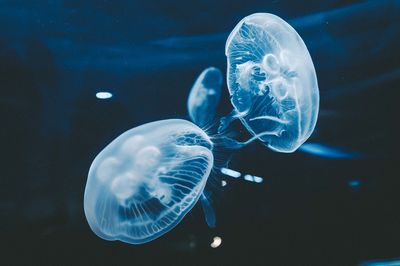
(327, 151)
(359, 86)
(352, 12)
(390, 262)
(176, 51)
(190, 41)
(81, 55)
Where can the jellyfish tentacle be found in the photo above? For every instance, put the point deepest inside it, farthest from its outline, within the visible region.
(225, 121)
(209, 213)
(271, 118)
(234, 144)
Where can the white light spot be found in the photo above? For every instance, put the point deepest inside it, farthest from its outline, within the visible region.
(211, 92)
(223, 183)
(248, 178)
(230, 172)
(258, 179)
(216, 242)
(104, 95)
(253, 178)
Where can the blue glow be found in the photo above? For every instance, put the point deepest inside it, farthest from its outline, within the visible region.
(323, 150)
(253, 178)
(209, 212)
(230, 172)
(391, 262)
(354, 183)
(272, 82)
(145, 181)
(104, 95)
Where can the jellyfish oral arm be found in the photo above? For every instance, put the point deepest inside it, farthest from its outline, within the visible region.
(209, 213)
(271, 118)
(225, 121)
(233, 144)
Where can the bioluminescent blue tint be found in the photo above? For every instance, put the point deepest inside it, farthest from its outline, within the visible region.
(253, 178)
(230, 172)
(201, 105)
(104, 95)
(354, 183)
(204, 96)
(145, 181)
(390, 262)
(272, 82)
(209, 213)
(327, 151)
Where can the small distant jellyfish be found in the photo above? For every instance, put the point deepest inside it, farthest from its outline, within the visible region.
(204, 97)
(202, 104)
(272, 82)
(145, 181)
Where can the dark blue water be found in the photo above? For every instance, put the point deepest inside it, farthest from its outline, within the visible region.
(310, 209)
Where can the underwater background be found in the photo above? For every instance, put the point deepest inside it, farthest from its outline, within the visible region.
(334, 202)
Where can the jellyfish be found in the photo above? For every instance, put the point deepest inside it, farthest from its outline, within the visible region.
(202, 103)
(146, 180)
(272, 82)
(204, 97)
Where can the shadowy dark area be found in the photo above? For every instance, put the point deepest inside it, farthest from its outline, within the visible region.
(310, 210)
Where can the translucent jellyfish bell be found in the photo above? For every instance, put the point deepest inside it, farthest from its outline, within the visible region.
(145, 181)
(204, 96)
(272, 82)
